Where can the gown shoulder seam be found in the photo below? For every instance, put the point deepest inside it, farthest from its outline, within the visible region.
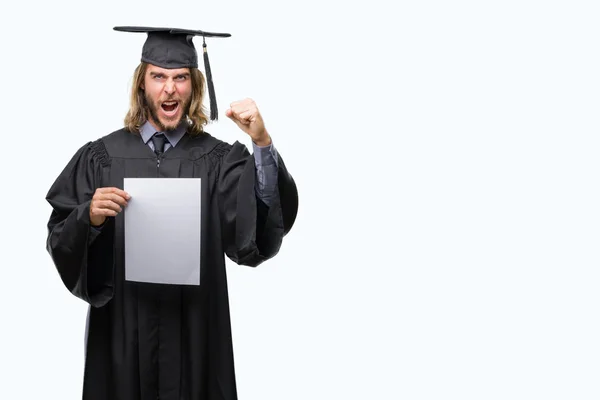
(98, 149)
(219, 150)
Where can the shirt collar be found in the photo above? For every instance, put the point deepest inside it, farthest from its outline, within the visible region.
(173, 136)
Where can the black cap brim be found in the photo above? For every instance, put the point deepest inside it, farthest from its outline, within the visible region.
(146, 29)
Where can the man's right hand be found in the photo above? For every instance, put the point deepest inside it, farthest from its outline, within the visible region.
(107, 202)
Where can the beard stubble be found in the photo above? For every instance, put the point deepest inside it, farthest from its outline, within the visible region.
(152, 108)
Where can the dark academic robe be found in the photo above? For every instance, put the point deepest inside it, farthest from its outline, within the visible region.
(151, 341)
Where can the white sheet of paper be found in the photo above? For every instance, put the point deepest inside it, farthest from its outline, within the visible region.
(162, 230)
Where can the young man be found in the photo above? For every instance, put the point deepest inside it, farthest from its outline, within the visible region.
(166, 341)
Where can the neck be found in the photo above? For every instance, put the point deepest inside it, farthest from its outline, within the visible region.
(154, 125)
(159, 128)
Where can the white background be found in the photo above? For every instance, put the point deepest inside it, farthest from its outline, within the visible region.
(446, 155)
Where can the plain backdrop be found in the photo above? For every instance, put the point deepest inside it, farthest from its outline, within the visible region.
(446, 156)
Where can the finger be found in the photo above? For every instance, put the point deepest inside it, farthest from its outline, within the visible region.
(104, 212)
(241, 111)
(115, 190)
(121, 193)
(113, 197)
(242, 105)
(235, 118)
(107, 204)
(237, 111)
(110, 196)
(247, 116)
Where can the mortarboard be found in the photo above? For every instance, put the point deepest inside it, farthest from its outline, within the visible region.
(174, 48)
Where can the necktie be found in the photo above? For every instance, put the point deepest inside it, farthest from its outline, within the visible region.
(159, 141)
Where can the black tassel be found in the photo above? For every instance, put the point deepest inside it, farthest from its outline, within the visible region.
(214, 113)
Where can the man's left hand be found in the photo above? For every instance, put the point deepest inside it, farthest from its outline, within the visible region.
(246, 115)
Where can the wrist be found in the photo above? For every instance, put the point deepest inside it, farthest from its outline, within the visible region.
(263, 140)
(97, 222)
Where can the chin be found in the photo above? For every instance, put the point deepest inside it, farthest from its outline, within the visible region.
(171, 124)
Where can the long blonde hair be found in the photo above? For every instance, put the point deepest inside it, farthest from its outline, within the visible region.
(138, 110)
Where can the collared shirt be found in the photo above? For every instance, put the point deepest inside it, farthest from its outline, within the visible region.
(265, 159)
(173, 137)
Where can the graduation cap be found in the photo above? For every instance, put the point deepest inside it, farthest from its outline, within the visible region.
(174, 48)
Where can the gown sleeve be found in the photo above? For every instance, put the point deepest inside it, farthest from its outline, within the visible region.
(84, 265)
(253, 232)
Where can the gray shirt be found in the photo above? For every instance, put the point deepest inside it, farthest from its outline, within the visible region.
(265, 160)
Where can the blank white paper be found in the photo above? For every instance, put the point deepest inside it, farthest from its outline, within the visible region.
(162, 230)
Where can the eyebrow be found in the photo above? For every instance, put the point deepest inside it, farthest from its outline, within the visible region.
(186, 74)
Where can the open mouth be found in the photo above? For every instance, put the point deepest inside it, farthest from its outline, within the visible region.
(170, 107)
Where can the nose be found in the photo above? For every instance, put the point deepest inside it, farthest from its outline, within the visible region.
(169, 87)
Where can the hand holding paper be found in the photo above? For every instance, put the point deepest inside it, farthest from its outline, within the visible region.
(107, 202)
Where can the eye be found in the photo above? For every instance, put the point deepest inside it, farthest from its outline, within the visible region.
(181, 78)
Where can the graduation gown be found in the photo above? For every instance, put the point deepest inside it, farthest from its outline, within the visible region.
(152, 341)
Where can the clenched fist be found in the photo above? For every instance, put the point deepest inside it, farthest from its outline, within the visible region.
(107, 202)
(247, 117)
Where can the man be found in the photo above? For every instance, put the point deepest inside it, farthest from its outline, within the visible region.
(165, 341)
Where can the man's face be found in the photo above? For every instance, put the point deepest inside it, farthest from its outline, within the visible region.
(168, 95)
